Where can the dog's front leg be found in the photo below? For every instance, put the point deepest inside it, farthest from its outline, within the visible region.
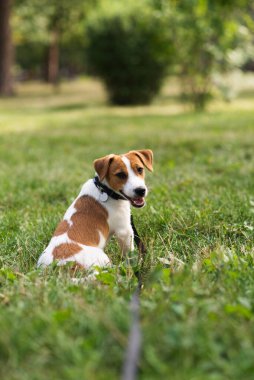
(126, 241)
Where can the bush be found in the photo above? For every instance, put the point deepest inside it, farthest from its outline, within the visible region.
(129, 48)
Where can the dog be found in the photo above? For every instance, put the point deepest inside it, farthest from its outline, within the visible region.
(101, 210)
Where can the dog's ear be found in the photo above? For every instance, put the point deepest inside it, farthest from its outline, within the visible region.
(146, 156)
(101, 165)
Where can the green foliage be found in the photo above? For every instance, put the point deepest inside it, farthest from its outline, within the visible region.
(34, 19)
(128, 47)
(210, 37)
(132, 45)
(210, 40)
(33, 22)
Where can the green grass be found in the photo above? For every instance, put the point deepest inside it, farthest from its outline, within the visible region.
(197, 308)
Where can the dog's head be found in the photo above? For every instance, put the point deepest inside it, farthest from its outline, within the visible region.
(125, 174)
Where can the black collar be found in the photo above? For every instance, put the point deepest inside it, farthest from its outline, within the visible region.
(105, 189)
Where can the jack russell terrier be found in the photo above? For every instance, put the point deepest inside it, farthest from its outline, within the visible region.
(102, 209)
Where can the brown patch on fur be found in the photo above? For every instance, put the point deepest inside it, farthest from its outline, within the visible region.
(117, 166)
(136, 163)
(61, 228)
(88, 220)
(65, 250)
(146, 157)
(101, 165)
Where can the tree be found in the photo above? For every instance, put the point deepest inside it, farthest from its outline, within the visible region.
(208, 36)
(207, 33)
(58, 21)
(6, 49)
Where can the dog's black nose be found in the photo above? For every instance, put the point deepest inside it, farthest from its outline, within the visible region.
(140, 191)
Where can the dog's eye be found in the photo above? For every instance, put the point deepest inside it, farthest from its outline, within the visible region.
(121, 175)
(140, 170)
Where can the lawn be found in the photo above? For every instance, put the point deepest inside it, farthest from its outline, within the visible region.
(197, 303)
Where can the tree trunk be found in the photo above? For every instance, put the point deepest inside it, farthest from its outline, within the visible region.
(53, 58)
(6, 49)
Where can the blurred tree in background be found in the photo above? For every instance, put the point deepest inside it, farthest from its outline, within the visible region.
(131, 46)
(131, 52)
(248, 17)
(210, 36)
(44, 29)
(6, 49)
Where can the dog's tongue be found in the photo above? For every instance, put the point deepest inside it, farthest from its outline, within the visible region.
(138, 201)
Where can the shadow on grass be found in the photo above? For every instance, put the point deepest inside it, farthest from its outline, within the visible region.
(163, 98)
(68, 107)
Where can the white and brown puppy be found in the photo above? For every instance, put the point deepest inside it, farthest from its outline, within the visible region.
(96, 215)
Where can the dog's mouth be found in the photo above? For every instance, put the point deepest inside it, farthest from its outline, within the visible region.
(137, 202)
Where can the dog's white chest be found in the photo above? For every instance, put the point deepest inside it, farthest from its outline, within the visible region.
(118, 216)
